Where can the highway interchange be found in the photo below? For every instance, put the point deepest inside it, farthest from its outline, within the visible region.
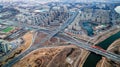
(67, 38)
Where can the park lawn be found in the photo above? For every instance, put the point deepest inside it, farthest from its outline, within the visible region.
(8, 29)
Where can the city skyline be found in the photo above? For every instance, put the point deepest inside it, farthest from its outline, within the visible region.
(59, 33)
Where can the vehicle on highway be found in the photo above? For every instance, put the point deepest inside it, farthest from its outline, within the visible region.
(99, 48)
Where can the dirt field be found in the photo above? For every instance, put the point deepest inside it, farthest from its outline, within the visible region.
(28, 40)
(115, 48)
(63, 56)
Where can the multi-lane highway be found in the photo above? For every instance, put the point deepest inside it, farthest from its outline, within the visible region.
(69, 21)
(68, 38)
(88, 47)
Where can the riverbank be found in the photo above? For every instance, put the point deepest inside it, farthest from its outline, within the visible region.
(99, 39)
(105, 35)
(115, 48)
(104, 44)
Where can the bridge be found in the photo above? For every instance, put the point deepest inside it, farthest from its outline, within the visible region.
(53, 33)
(88, 47)
(68, 38)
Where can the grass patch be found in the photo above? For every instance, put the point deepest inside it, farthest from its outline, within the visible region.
(8, 29)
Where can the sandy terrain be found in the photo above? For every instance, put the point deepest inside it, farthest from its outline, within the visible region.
(104, 36)
(115, 48)
(62, 56)
(28, 40)
(98, 38)
(39, 37)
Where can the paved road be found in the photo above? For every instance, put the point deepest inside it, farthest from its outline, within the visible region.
(108, 54)
(88, 47)
(4, 57)
(16, 59)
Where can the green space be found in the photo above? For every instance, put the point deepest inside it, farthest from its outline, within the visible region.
(8, 29)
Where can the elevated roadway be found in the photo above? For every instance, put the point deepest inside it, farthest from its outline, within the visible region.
(88, 47)
(53, 33)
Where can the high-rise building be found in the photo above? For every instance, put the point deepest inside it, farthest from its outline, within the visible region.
(4, 47)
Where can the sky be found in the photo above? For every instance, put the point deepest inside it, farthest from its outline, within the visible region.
(60, 0)
(28, 0)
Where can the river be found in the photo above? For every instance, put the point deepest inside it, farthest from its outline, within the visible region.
(93, 58)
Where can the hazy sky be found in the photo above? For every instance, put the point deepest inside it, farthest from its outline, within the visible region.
(28, 0)
(59, 0)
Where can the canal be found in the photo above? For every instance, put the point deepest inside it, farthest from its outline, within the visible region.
(87, 26)
(93, 58)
